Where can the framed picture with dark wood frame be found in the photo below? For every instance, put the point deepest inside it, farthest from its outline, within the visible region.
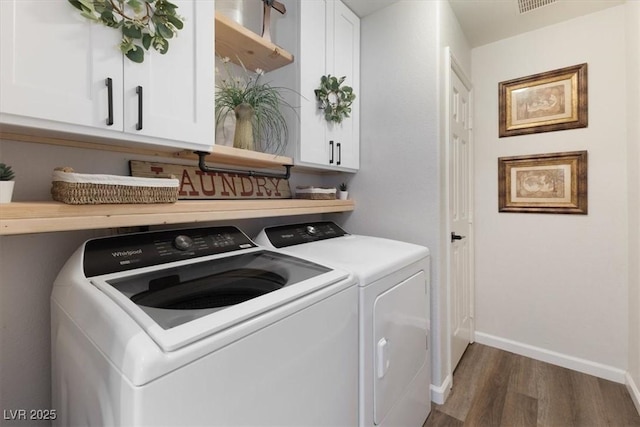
(545, 102)
(543, 183)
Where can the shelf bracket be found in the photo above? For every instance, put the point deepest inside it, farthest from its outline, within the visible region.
(202, 164)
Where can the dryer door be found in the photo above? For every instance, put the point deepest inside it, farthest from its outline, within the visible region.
(400, 333)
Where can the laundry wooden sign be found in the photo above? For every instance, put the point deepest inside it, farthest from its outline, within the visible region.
(196, 184)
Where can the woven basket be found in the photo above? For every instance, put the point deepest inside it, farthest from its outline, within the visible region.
(94, 193)
(315, 193)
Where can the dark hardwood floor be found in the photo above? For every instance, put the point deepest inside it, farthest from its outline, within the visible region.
(497, 388)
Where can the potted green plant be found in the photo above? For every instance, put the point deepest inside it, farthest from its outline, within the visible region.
(260, 123)
(6, 183)
(343, 194)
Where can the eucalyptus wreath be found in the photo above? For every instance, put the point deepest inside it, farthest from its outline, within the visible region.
(144, 23)
(334, 100)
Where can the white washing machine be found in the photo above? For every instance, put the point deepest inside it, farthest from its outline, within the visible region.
(393, 281)
(202, 327)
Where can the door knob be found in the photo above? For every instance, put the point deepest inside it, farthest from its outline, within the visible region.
(455, 236)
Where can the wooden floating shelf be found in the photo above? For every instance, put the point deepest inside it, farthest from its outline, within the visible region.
(236, 156)
(219, 153)
(241, 44)
(44, 217)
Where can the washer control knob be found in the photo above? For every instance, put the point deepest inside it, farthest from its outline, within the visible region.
(183, 242)
(312, 230)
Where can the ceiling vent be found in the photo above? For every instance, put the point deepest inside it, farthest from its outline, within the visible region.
(528, 5)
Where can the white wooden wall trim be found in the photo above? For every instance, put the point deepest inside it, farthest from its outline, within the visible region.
(559, 359)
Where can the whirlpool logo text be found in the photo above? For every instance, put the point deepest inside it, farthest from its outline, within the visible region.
(119, 254)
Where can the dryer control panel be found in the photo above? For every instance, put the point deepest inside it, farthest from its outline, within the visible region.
(295, 234)
(129, 251)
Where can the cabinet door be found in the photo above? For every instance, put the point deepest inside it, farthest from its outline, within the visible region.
(178, 87)
(345, 59)
(329, 44)
(55, 64)
(313, 145)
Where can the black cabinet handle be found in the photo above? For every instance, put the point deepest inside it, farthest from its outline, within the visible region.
(339, 145)
(139, 92)
(109, 83)
(331, 160)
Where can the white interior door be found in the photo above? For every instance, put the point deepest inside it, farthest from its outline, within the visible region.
(460, 215)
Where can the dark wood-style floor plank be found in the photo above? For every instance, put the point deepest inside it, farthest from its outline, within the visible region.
(556, 402)
(619, 407)
(441, 419)
(494, 388)
(519, 411)
(469, 375)
(590, 408)
(488, 404)
(523, 378)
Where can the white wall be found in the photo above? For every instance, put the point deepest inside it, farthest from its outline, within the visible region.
(398, 188)
(633, 115)
(29, 264)
(556, 286)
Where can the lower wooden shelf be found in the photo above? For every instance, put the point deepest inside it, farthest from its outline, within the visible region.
(44, 217)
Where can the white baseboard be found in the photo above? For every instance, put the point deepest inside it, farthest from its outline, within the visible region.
(581, 365)
(633, 391)
(439, 394)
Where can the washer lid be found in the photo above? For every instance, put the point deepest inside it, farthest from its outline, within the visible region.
(215, 290)
(182, 303)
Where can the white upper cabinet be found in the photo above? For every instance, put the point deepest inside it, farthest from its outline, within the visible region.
(346, 62)
(178, 87)
(64, 73)
(55, 63)
(329, 43)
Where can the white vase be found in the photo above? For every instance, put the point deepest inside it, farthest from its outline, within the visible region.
(6, 191)
(343, 195)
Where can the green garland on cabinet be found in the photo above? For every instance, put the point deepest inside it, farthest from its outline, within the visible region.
(144, 23)
(334, 100)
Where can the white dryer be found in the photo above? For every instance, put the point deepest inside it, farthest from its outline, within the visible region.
(202, 327)
(393, 281)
